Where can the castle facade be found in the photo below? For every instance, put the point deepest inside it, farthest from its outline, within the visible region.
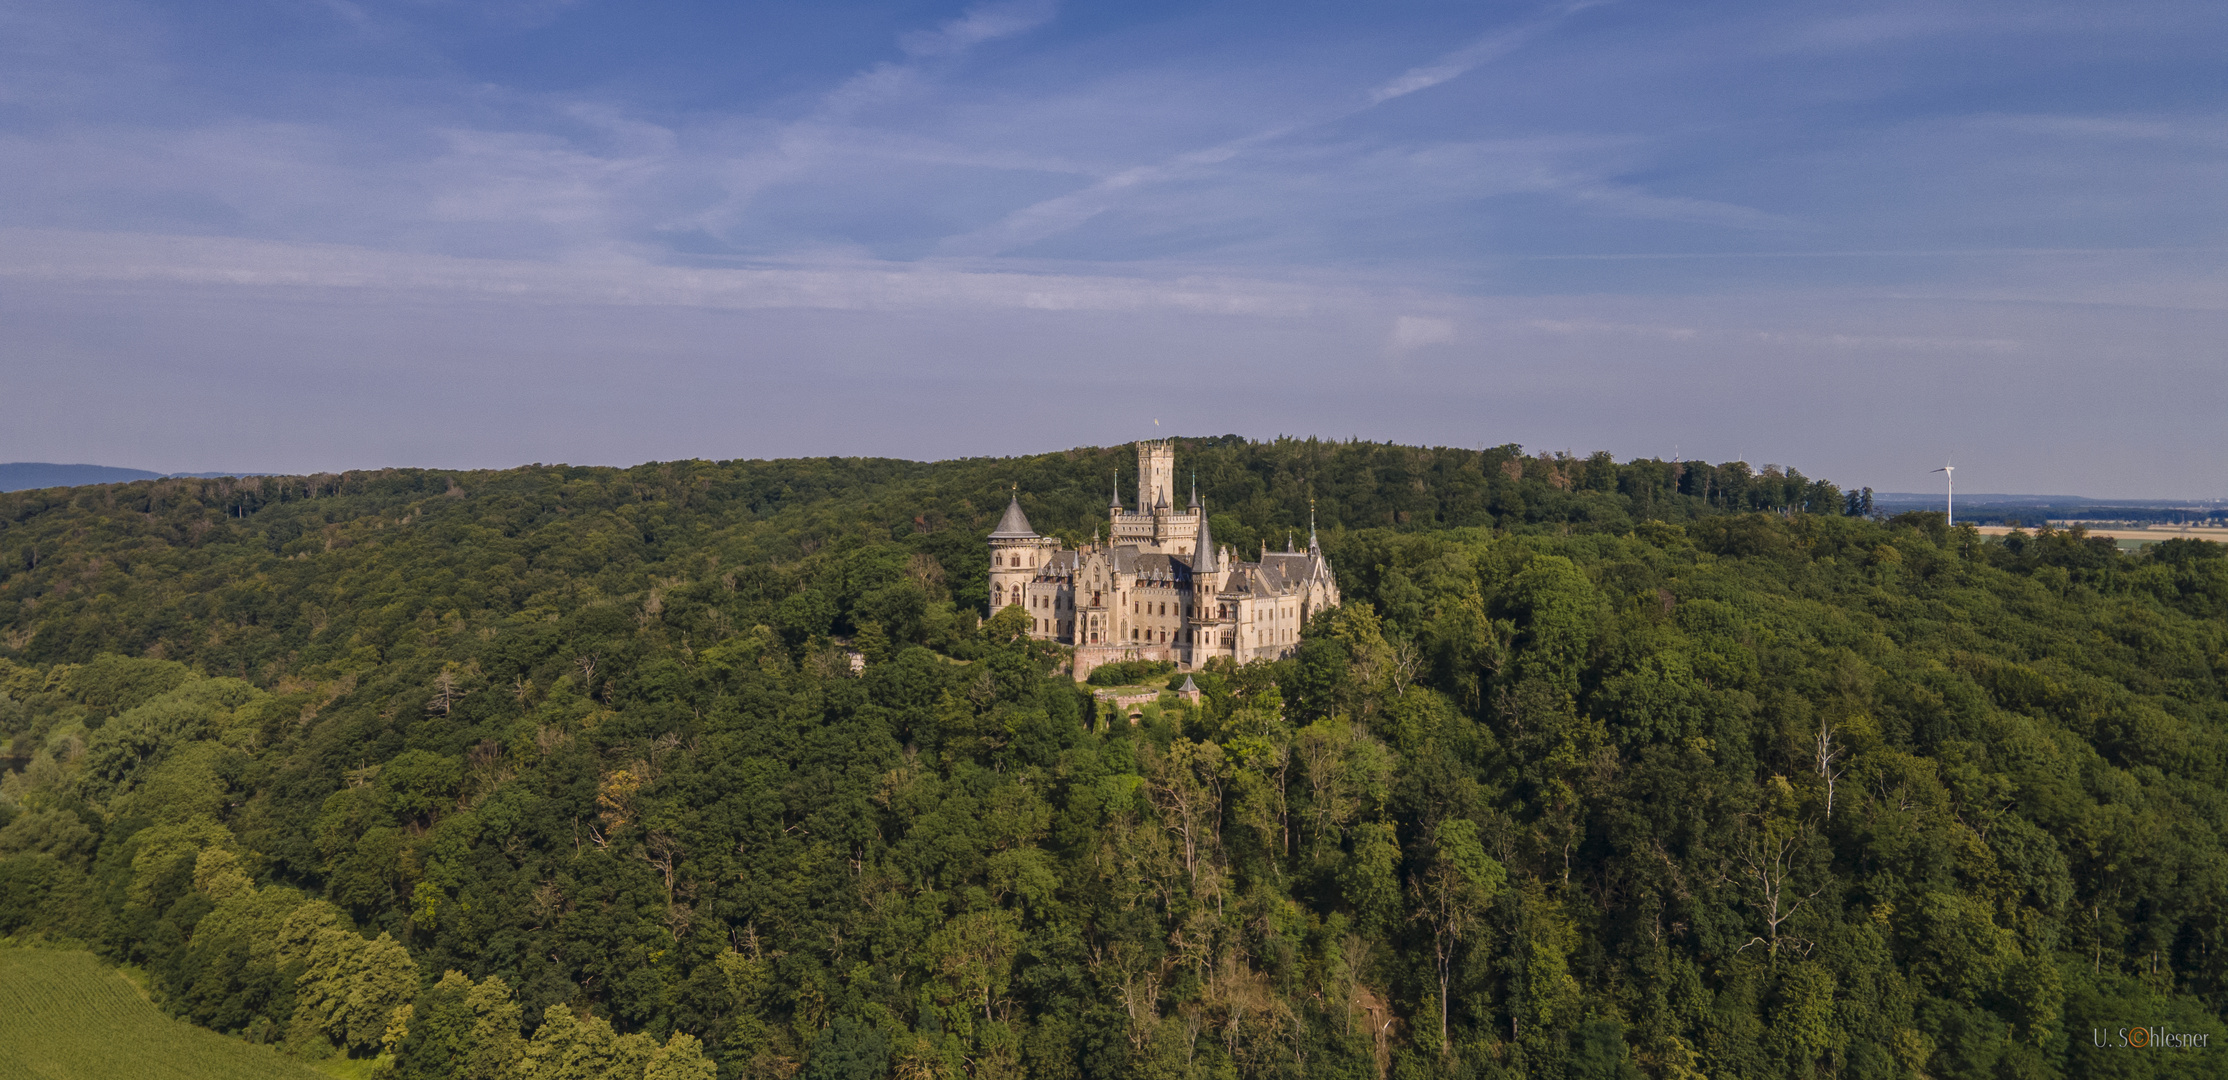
(1159, 587)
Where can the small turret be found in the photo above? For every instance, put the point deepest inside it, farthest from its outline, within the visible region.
(1016, 555)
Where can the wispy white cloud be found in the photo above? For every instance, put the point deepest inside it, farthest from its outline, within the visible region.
(1592, 327)
(1901, 22)
(1865, 29)
(1417, 331)
(66, 257)
(1630, 201)
(1919, 343)
(2202, 131)
(1474, 55)
(980, 24)
(1452, 66)
(1052, 217)
(1807, 340)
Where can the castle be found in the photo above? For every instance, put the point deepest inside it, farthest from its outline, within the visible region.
(1159, 588)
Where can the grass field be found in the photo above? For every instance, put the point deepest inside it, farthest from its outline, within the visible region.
(66, 1016)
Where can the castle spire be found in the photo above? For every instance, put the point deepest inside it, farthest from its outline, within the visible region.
(1203, 553)
(1195, 489)
(1312, 545)
(1117, 503)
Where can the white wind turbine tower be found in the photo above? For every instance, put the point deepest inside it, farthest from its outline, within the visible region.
(1949, 474)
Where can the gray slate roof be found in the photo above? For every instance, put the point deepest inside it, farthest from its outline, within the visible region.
(1015, 525)
(1277, 574)
(1294, 568)
(1203, 555)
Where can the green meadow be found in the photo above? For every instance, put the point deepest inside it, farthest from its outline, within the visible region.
(66, 1015)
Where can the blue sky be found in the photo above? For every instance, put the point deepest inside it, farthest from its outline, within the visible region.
(1855, 238)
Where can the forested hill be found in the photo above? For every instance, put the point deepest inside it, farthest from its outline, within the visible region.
(1603, 770)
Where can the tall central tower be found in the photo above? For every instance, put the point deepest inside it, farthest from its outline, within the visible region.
(1156, 474)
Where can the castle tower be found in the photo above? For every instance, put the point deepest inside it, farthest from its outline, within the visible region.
(1016, 551)
(1156, 474)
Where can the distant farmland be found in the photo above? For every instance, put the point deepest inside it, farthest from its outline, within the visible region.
(64, 1015)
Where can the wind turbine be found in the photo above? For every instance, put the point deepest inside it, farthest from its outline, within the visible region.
(1949, 474)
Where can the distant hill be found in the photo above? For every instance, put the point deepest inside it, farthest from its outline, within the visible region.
(1986, 498)
(1985, 508)
(26, 475)
(1979, 498)
(30, 475)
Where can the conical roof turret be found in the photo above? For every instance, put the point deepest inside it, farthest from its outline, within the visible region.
(1015, 525)
(1203, 553)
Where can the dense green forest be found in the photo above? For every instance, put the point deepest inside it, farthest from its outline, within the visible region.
(1603, 770)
